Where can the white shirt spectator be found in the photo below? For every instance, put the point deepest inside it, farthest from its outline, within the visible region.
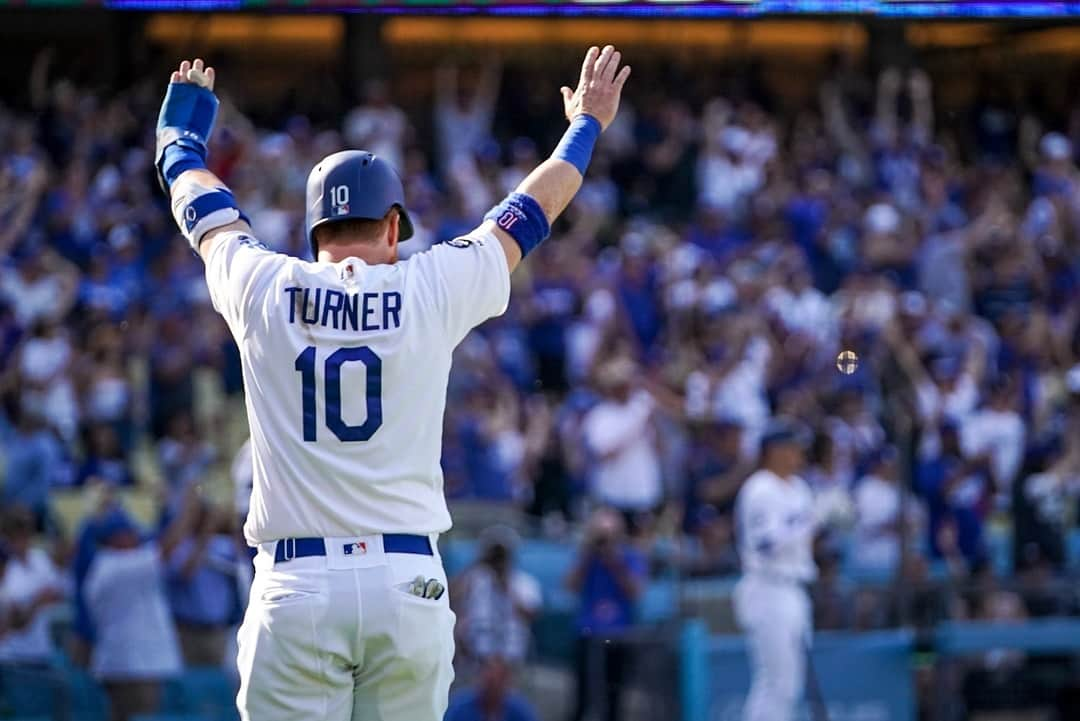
(1051, 493)
(853, 438)
(136, 638)
(760, 146)
(868, 307)
(108, 399)
(627, 469)
(489, 617)
(44, 363)
(876, 537)
(808, 310)
(584, 337)
(462, 127)
(739, 395)
(725, 183)
(999, 433)
(23, 581)
(953, 404)
(379, 129)
(32, 301)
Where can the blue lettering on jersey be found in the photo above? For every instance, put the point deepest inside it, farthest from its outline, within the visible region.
(309, 306)
(369, 309)
(345, 311)
(334, 301)
(352, 303)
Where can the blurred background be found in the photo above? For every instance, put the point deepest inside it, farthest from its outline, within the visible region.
(868, 222)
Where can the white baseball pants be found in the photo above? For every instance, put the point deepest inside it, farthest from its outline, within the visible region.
(339, 638)
(776, 617)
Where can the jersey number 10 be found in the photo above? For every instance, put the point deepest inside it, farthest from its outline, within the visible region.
(305, 364)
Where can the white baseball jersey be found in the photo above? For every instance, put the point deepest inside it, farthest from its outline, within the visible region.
(776, 523)
(345, 373)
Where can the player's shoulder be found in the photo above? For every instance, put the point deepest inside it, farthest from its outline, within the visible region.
(803, 486)
(242, 248)
(477, 239)
(238, 239)
(758, 484)
(761, 478)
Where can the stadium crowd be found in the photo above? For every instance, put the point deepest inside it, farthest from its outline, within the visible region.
(906, 286)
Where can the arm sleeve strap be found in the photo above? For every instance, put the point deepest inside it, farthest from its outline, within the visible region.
(199, 209)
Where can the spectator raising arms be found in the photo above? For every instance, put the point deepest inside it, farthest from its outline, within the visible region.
(135, 645)
(497, 602)
(621, 437)
(29, 586)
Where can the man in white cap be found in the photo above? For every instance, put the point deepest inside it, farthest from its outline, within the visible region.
(620, 436)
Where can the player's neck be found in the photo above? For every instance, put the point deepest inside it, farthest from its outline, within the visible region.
(784, 474)
(367, 252)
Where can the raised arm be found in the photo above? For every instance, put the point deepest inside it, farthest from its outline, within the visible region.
(202, 205)
(524, 218)
(922, 105)
(888, 88)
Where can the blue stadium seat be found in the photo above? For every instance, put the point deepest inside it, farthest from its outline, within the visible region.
(999, 541)
(1045, 636)
(554, 635)
(86, 699)
(549, 562)
(33, 692)
(939, 570)
(206, 693)
(457, 554)
(659, 602)
(1072, 548)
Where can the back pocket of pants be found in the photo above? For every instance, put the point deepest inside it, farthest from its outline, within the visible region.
(425, 633)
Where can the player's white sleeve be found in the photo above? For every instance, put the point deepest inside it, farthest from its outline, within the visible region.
(468, 278)
(239, 270)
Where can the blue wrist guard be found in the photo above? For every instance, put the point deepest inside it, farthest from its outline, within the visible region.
(520, 216)
(183, 130)
(578, 141)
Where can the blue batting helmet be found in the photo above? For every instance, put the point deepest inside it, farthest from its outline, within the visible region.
(353, 184)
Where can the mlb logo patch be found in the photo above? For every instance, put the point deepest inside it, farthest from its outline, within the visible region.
(341, 209)
(358, 548)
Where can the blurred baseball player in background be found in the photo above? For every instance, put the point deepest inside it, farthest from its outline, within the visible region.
(345, 364)
(775, 518)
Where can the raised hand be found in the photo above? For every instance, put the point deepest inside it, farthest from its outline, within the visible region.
(194, 72)
(600, 87)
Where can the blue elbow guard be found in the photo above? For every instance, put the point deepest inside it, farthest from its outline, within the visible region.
(577, 143)
(198, 210)
(523, 219)
(183, 130)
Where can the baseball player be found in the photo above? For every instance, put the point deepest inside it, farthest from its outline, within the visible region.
(774, 513)
(345, 364)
